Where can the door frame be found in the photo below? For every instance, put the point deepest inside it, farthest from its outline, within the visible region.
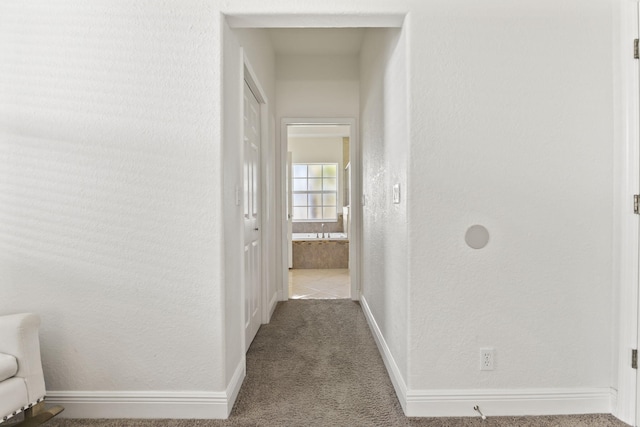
(290, 18)
(626, 248)
(355, 189)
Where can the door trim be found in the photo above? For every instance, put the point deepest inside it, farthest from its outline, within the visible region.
(355, 240)
(626, 184)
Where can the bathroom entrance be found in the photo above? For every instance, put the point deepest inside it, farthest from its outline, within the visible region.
(318, 193)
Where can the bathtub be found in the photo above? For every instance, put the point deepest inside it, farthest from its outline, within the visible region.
(308, 250)
(318, 236)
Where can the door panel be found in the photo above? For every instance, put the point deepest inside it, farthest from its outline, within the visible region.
(290, 208)
(252, 217)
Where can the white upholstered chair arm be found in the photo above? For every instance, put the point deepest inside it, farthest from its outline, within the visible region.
(19, 338)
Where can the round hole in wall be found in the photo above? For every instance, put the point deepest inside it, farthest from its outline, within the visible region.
(477, 237)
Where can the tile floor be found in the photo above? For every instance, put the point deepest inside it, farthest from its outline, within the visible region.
(319, 284)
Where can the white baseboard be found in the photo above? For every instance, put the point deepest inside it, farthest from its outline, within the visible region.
(512, 402)
(140, 404)
(460, 403)
(150, 404)
(389, 362)
(614, 402)
(272, 304)
(233, 388)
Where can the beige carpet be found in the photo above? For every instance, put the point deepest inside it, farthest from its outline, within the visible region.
(316, 364)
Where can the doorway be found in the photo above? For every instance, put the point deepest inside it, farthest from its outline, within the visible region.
(313, 84)
(313, 87)
(318, 202)
(321, 177)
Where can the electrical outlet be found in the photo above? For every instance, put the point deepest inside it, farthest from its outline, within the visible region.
(487, 359)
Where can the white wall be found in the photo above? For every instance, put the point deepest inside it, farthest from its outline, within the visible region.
(317, 86)
(110, 188)
(515, 134)
(385, 151)
(233, 241)
(320, 150)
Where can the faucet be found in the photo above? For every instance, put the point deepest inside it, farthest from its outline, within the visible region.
(322, 230)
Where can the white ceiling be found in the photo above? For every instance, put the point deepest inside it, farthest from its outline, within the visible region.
(316, 41)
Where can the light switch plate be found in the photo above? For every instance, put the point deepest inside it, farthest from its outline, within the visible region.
(396, 194)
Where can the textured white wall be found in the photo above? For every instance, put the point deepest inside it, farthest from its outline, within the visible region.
(110, 190)
(385, 151)
(232, 242)
(317, 86)
(511, 127)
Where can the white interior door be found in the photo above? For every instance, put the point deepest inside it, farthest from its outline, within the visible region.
(289, 207)
(252, 217)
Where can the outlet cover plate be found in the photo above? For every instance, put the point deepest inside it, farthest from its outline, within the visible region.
(396, 194)
(487, 359)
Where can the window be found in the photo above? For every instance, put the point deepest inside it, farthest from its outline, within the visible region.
(315, 191)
